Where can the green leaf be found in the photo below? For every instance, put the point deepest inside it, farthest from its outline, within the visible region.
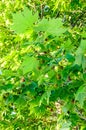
(66, 107)
(38, 110)
(83, 34)
(29, 64)
(24, 20)
(70, 57)
(9, 99)
(39, 127)
(83, 45)
(66, 126)
(67, 45)
(51, 27)
(84, 62)
(80, 58)
(82, 48)
(35, 108)
(81, 95)
(21, 100)
(42, 25)
(45, 96)
(6, 87)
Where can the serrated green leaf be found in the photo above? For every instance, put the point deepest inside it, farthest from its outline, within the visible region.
(29, 64)
(51, 27)
(42, 25)
(24, 20)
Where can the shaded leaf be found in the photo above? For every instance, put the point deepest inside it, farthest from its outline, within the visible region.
(45, 96)
(21, 100)
(6, 87)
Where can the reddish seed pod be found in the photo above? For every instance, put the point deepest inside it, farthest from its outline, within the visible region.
(22, 79)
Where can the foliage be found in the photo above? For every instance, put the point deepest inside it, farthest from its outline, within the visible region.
(43, 65)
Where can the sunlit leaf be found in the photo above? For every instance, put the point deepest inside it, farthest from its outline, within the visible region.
(22, 21)
(29, 64)
(51, 27)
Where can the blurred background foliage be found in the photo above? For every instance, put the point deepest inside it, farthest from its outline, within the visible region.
(42, 68)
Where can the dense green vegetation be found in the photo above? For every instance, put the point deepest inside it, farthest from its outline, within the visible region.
(42, 65)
